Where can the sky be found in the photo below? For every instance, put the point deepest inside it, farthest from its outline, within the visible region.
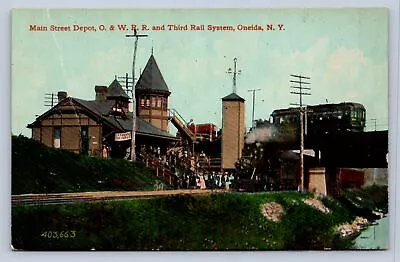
(343, 51)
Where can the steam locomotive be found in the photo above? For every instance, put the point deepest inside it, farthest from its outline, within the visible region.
(272, 160)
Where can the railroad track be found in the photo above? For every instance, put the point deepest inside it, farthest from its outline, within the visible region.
(92, 197)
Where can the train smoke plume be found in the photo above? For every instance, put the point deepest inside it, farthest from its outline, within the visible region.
(263, 134)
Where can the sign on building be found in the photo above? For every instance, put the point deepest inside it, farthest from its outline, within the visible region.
(122, 136)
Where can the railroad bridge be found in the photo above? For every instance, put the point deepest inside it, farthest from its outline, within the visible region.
(343, 155)
(346, 149)
(351, 149)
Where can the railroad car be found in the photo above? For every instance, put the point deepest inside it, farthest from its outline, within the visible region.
(206, 131)
(324, 118)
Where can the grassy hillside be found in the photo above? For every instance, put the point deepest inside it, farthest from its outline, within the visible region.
(231, 221)
(40, 169)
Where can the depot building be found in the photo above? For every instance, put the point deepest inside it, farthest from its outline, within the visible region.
(92, 126)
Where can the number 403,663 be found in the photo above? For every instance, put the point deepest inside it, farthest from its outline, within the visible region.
(59, 234)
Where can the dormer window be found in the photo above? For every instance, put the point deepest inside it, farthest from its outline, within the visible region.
(116, 109)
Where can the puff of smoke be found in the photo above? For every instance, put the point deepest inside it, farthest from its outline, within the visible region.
(263, 134)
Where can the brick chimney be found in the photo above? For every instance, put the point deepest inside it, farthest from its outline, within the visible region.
(61, 95)
(101, 92)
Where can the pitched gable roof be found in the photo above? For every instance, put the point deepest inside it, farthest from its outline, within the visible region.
(232, 97)
(115, 90)
(99, 107)
(151, 78)
(102, 108)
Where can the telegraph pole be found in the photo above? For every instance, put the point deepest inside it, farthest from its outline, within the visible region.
(49, 99)
(254, 99)
(136, 36)
(235, 74)
(299, 90)
(127, 83)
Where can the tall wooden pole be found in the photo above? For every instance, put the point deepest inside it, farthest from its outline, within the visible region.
(302, 110)
(301, 150)
(136, 36)
(254, 100)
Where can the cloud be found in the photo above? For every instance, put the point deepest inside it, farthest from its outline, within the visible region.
(352, 76)
(194, 64)
(307, 62)
(337, 74)
(345, 63)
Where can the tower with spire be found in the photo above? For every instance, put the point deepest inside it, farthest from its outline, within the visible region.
(233, 125)
(151, 93)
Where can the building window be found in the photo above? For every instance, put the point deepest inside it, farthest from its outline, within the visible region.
(84, 140)
(164, 104)
(117, 107)
(153, 102)
(158, 102)
(142, 101)
(57, 137)
(147, 101)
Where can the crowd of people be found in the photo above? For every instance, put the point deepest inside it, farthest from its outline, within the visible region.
(189, 170)
(211, 180)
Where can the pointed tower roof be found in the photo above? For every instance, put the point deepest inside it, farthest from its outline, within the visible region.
(232, 97)
(151, 78)
(115, 90)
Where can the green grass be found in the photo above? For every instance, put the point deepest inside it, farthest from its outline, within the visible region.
(40, 169)
(231, 221)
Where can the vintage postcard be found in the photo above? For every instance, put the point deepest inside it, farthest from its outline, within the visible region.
(200, 129)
